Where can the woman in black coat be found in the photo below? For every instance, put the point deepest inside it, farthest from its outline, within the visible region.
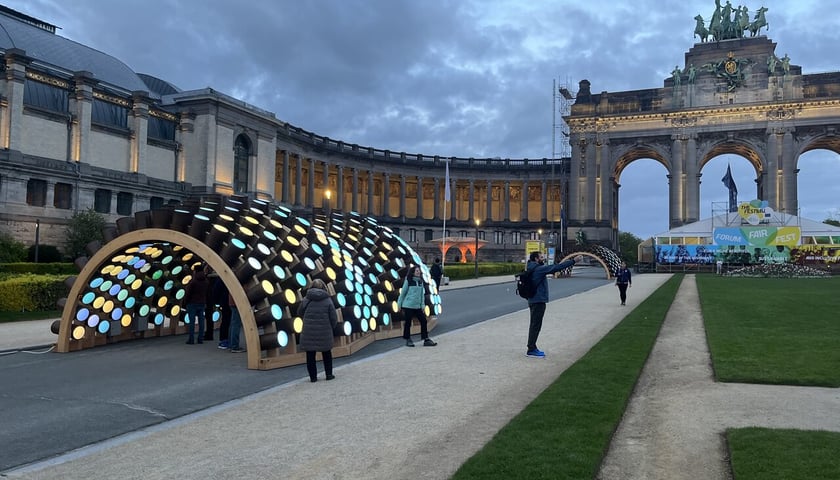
(319, 320)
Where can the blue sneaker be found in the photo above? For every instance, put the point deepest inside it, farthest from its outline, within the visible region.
(535, 353)
(224, 345)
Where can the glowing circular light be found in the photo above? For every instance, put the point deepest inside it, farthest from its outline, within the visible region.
(395, 307)
(116, 314)
(162, 301)
(115, 289)
(358, 298)
(330, 273)
(367, 301)
(347, 327)
(372, 323)
(366, 311)
(78, 332)
(368, 289)
(300, 228)
(386, 319)
(150, 290)
(187, 257)
(380, 297)
(263, 250)
(106, 285)
(179, 294)
(131, 261)
(186, 280)
(136, 284)
(348, 285)
(166, 260)
(282, 338)
(177, 270)
(88, 297)
(168, 285)
(438, 309)
(140, 264)
(293, 241)
(108, 306)
(357, 311)
(287, 256)
(364, 325)
(341, 299)
(310, 264)
(123, 274)
(82, 314)
(270, 236)
(125, 321)
(93, 321)
(374, 311)
(238, 243)
(104, 327)
(217, 316)
(130, 302)
(98, 302)
(279, 272)
(175, 310)
(291, 297)
(157, 275)
(297, 324)
(267, 287)
(276, 311)
(388, 285)
(159, 319)
(144, 310)
(300, 279)
(145, 268)
(245, 231)
(106, 270)
(251, 220)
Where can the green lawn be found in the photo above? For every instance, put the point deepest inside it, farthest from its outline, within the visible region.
(760, 331)
(565, 431)
(23, 316)
(773, 330)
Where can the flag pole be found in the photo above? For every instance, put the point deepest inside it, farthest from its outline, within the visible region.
(446, 198)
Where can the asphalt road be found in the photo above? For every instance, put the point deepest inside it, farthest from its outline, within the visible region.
(55, 403)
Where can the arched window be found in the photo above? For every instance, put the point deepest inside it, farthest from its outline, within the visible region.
(241, 154)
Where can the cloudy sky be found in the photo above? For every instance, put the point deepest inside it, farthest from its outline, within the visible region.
(465, 78)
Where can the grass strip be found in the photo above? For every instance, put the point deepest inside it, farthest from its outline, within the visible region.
(24, 316)
(780, 331)
(761, 453)
(565, 432)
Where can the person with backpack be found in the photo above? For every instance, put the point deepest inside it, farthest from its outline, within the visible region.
(538, 270)
(437, 273)
(623, 281)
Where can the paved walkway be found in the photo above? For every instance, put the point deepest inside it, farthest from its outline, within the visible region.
(421, 412)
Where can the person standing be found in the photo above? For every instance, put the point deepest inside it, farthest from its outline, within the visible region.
(437, 273)
(411, 303)
(196, 300)
(235, 327)
(623, 281)
(221, 297)
(210, 307)
(536, 304)
(319, 321)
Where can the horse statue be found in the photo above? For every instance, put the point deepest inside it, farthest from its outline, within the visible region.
(759, 22)
(700, 29)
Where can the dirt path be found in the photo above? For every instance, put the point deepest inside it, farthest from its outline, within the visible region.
(675, 422)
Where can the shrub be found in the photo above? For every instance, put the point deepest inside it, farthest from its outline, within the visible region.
(46, 254)
(31, 292)
(85, 226)
(11, 250)
(55, 268)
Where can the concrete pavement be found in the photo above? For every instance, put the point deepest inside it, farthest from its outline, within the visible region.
(407, 413)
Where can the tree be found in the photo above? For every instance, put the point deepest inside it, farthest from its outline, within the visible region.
(628, 245)
(85, 226)
(832, 221)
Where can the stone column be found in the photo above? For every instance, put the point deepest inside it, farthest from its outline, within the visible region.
(436, 201)
(692, 180)
(402, 196)
(284, 189)
(310, 185)
(386, 196)
(770, 181)
(524, 204)
(339, 185)
(419, 197)
(606, 207)
(139, 125)
(298, 179)
(544, 201)
(354, 201)
(676, 215)
(489, 202)
(789, 173)
(370, 209)
(471, 208)
(506, 200)
(80, 132)
(11, 120)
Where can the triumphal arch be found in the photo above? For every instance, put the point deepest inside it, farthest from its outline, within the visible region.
(733, 94)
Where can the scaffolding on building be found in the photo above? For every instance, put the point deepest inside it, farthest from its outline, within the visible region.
(561, 151)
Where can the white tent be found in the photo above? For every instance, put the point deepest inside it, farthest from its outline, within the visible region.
(700, 233)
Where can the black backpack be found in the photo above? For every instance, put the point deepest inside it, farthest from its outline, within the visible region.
(525, 285)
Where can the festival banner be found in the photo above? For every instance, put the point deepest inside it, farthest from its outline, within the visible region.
(758, 236)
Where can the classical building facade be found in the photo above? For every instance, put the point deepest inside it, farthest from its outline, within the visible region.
(79, 130)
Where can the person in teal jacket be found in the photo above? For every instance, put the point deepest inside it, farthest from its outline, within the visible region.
(536, 304)
(411, 302)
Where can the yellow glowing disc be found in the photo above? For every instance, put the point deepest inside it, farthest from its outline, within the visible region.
(162, 301)
(290, 295)
(108, 306)
(98, 302)
(125, 321)
(297, 324)
(372, 323)
(176, 309)
(78, 332)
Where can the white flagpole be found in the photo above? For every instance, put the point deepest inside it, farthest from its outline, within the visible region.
(446, 197)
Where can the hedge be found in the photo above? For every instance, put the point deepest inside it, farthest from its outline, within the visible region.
(56, 268)
(31, 292)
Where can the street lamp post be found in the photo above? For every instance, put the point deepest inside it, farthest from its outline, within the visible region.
(327, 207)
(37, 237)
(475, 253)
